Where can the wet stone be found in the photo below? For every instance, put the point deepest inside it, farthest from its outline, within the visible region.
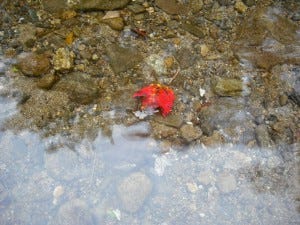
(99, 4)
(136, 8)
(116, 23)
(185, 58)
(133, 190)
(190, 133)
(121, 59)
(32, 64)
(75, 212)
(193, 29)
(171, 6)
(240, 7)
(54, 5)
(262, 136)
(249, 3)
(228, 87)
(226, 2)
(63, 59)
(172, 120)
(47, 81)
(162, 131)
(80, 87)
(283, 99)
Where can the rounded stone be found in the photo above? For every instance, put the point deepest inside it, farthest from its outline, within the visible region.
(133, 191)
(32, 64)
(75, 212)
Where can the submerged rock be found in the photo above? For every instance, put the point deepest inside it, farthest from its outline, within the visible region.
(98, 4)
(263, 137)
(190, 133)
(115, 23)
(122, 59)
(171, 6)
(47, 81)
(133, 191)
(75, 212)
(80, 87)
(267, 38)
(193, 29)
(63, 59)
(32, 64)
(54, 5)
(228, 87)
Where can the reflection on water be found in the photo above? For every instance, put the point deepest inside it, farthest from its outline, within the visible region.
(126, 180)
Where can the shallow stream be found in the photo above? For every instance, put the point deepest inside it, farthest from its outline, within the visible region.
(242, 167)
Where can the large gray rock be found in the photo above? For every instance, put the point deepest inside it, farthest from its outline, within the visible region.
(133, 191)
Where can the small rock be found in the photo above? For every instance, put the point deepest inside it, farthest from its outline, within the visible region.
(47, 81)
(80, 87)
(54, 5)
(98, 4)
(240, 7)
(63, 59)
(192, 187)
(185, 58)
(228, 87)
(133, 191)
(283, 99)
(32, 64)
(193, 29)
(190, 133)
(214, 140)
(116, 23)
(204, 50)
(195, 5)
(171, 6)
(122, 59)
(172, 120)
(225, 2)
(169, 62)
(111, 14)
(58, 191)
(136, 8)
(162, 131)
(249, 3)
(74, 212)
(226, 183)
(262, 136)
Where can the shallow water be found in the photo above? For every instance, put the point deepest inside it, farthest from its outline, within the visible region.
(124, 176)
(82, 183)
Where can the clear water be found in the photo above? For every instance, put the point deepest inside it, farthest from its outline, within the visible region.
(53, 181)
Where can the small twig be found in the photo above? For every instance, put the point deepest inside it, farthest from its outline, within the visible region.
(173, 78)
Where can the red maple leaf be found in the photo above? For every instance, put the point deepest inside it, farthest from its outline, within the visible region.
(157, 96)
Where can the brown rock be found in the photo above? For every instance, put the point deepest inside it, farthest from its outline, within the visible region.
(171, 6)
(32, 64)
